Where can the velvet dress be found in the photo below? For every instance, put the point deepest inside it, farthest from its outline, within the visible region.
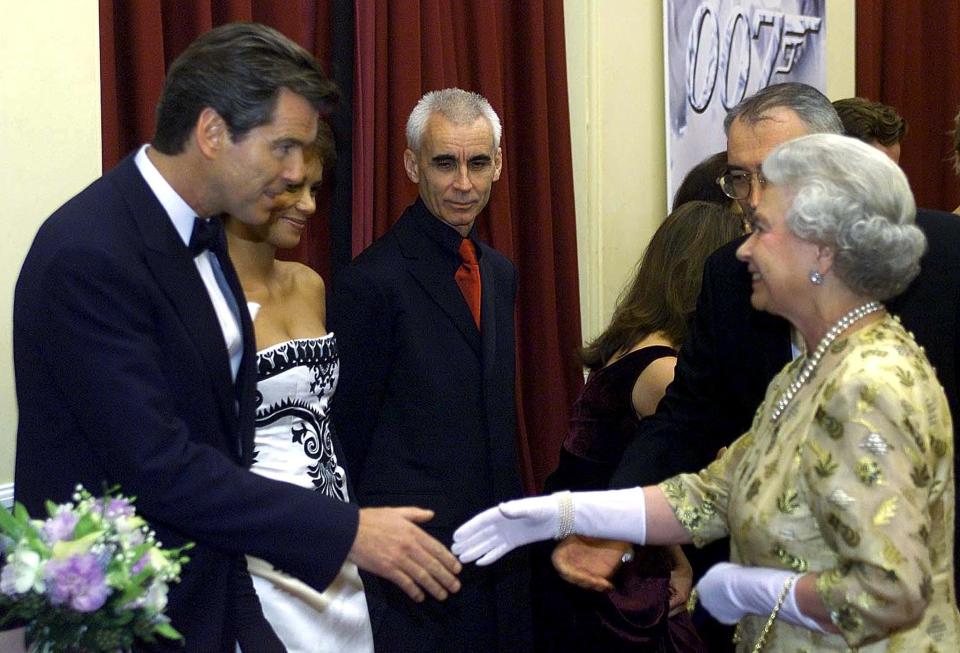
(634, 615)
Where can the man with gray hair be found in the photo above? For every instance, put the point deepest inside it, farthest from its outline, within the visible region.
(733, 351)
(425, 405)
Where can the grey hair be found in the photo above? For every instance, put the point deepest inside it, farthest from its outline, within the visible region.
(811, 106)
(853, 198)
(456, 105)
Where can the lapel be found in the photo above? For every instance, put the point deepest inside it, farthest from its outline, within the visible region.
(176, 274)
(424, 261)
(488, 313)
(245, 387)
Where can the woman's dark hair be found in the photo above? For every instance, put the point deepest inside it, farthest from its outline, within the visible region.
(237, 69)
(701, 182)
(324, 147)
(663, 293)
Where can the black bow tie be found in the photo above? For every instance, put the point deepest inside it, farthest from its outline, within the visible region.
(208, 235)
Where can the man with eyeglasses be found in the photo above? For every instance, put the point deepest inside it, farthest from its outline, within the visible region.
(733, 351)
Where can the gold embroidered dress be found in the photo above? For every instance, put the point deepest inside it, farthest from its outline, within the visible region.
(855, 482)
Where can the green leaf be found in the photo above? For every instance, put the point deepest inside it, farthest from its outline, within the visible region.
(9, 524)
(168, 631)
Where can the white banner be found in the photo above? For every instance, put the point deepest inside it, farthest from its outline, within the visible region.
(717, 52)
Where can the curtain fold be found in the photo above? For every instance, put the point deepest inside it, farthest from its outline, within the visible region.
(908, 56)
(513, 53)
(140, 38)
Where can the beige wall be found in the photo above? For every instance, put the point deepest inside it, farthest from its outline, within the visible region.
(615, 65)
(49, 145)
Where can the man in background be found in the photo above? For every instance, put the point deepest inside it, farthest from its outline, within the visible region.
(873, 123)
(425, 405)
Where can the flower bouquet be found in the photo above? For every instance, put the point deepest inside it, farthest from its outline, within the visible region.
(91, 577)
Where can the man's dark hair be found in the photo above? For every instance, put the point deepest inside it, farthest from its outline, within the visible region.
(811, 106)
(871, 122)
(238, 70)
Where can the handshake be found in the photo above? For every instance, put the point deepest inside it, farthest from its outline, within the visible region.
(390, 544)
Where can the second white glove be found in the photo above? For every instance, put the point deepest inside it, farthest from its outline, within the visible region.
(729, 592)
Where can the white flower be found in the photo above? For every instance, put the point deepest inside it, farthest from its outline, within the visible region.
(156, 597)
(22, 573)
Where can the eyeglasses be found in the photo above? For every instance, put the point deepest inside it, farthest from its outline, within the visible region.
(736, 184)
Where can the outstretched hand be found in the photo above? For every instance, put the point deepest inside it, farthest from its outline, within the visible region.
(497, 531)
(588, 562)
(390, 544)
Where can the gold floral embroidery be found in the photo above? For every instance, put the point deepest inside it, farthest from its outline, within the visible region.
(788, 502)
(839, 345)
(868, 397)
(938, 446)
(904, 376)
(920, 475)
(796, 563)
(891, 556)
(830, 389)
(868, 471)
(886, 512)
(825, 465)
(847, 618)
(830, 424)
(849, 535)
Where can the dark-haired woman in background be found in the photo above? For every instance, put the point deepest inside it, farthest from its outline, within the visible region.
(631, 363)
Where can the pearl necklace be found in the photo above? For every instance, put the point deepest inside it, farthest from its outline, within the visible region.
(810, 366)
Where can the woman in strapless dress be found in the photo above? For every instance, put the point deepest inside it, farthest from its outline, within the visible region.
(297, 369)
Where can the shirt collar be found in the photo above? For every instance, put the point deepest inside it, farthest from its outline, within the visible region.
(180, 213)
(440, 232)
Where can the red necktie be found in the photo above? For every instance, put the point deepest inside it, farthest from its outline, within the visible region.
(468, 278)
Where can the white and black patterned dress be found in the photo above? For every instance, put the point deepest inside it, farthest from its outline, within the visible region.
(295, 443)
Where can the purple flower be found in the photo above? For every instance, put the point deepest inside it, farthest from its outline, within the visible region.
(116, 507)
(141, 564)
(78, 580)
(60, 526)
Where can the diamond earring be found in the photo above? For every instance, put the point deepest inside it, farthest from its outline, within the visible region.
(816, 278)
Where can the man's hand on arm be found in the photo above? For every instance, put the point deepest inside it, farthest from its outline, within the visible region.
(589, 562)
(390, 544)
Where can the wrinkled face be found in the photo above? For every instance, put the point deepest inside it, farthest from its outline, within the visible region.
(255, 171)
(779, 262)
(748, 144)
(455, 169)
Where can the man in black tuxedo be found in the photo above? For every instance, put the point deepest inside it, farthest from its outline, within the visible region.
(733, 351)
(134, 354)
(425, 405)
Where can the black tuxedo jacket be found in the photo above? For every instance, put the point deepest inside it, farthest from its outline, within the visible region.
(123, 378)
(733, 352)
(425, 413)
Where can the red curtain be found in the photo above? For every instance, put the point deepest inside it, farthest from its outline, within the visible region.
(140, 38)
(908, 56)
(513, 54)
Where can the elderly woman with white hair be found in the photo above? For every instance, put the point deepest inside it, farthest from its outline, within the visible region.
(839, 500)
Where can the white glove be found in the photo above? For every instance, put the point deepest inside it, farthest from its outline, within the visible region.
(616, 514)
(497, 531)
(729, 592)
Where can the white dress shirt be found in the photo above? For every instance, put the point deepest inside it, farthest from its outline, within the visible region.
(182, 216)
